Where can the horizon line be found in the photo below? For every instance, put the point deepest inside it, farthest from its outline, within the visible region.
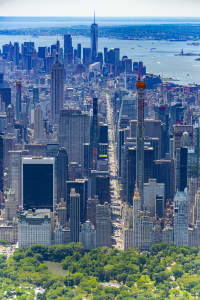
(126, 17)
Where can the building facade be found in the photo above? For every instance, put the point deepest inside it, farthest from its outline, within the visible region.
(181, 219)
(88, 236)
(103, 225)
(74, 132)
(74, 216)
(38, 183)
(57, 90)
(34, 228)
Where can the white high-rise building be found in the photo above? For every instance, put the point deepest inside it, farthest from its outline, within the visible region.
(181, 219)
(88, 235)
(38, 124)
(57, 90)
(34, 228)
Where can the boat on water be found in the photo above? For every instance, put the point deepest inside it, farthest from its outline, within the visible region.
(182, 53)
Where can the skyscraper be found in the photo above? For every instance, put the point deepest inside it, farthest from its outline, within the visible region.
(87, 56)
(94, 132)
(18, 100)
(57, 90)
(68, 49)
(142, 225)
(16, 53)
(178, 131)
(5, 91)
(153, 133)
(101, 186)
(61, 173)
(42, 51)
(88, 236)
(74, 216)
(15, 174)
(137, 206)
(38, 124)
(181, 168)
(181, 219)
(91, 210)
(38, 183)
(35, 94)
(81, 187)
(154, 195)
(79, 51)
(103, 225)
(128, 109)
(74, 132)
(94, 40)
(141, 86)
(163, 171)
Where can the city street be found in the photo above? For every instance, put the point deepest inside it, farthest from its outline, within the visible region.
(116, 204)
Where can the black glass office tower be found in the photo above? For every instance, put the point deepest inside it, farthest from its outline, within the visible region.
(38, 183)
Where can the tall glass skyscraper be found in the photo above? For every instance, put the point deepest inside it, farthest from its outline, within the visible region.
(181, 218)
(68, 49)
(94, 40)
(38, 180)
(57, 90)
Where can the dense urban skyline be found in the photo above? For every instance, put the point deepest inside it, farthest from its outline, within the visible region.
(99, 167)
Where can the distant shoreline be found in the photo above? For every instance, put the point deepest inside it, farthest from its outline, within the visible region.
(160, 61)
(169, 32)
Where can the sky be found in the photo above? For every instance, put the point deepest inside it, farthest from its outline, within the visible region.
(112, 8)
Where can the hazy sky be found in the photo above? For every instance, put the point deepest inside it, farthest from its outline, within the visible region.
(113, 8)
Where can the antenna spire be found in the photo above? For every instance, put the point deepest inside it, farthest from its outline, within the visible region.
(94, 16)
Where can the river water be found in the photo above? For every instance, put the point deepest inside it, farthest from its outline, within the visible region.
(158, 56)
